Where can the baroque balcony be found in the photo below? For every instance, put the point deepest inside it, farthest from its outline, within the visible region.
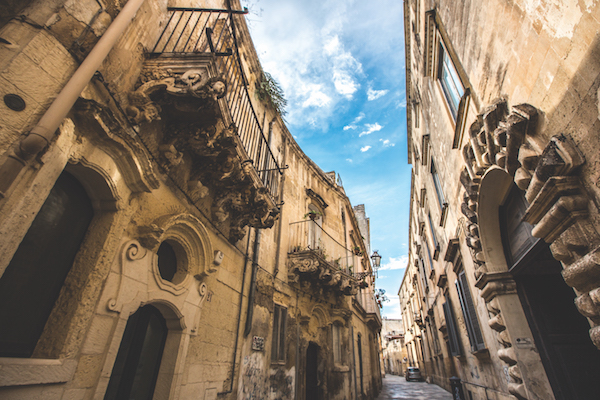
(366, 298)
(315, 256)
(192, 110)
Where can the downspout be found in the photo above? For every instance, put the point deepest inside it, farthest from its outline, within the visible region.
(250, 309)
(239, 318)
(42, 134)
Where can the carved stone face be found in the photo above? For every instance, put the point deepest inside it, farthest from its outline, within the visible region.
(219, 88)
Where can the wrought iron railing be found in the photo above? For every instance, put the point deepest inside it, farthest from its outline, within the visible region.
(310, 236)
(209, 31)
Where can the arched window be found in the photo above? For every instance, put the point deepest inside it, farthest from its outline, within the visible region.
(32, 281)
(137, 364)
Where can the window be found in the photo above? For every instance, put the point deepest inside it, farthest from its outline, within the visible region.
(278, 343)
(436, 245)
(453, 343)
(442, 65)
(32, 281)
(314, 227)
(337, 343)
(136, 367)
(449, 80)
(439, 192)
(468, 309)
(421, 268)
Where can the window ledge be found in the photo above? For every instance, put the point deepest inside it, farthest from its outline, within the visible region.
(35, 371)
(341, 368)
(483, 353)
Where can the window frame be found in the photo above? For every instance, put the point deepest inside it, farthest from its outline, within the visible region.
(454, 343)
(278, 334)
(450, 82)
(439, 191)
(436, 39)
(468, 308)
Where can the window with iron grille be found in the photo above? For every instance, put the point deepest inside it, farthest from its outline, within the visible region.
(278, 343)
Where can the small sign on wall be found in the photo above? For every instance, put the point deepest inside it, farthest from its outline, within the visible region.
(258, 343)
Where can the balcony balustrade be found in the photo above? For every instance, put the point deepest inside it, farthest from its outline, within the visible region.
(314, 255)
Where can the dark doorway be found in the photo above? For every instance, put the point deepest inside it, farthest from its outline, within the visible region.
(570, 359)
(32, 281)
(360, 366)
(313, 391)
(138, 360)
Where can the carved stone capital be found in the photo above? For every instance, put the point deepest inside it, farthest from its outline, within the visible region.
(496, 284)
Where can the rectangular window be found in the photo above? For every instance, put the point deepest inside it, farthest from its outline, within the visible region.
(469, 312)
(453, 343)
(421, 267)
(438, 185)
(429, 257)
(337, 344)
(436, 245)
(442, 65)
(449, 80)
(278, 344)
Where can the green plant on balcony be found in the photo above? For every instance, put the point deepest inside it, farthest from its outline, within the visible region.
(269, 91)
(357, 251)
(312, 214)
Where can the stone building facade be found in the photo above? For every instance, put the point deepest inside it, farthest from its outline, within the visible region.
(502, 284)
(393, 349)
(162, 235)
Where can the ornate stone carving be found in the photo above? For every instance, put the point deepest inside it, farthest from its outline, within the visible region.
(310, 266)
(179, 105)
(558, 204)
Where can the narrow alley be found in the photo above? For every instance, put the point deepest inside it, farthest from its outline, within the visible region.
(396, 388)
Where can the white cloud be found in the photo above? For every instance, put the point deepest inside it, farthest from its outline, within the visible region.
(349, 160)
(316, 98)
(387, 143)
(395, 263)
(370, 129)
(344, 67)
(366, 148)
(375, 94)
(353, 125)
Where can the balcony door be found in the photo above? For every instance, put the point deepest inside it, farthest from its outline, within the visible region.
(314, 228)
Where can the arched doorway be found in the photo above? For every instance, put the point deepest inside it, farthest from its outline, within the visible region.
(560, 332)
(313, 390)
(135, 371)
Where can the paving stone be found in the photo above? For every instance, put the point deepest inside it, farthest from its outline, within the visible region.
(396, 388)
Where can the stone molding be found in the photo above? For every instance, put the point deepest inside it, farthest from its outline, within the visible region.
(309, 266)
(186, 125)
(35, 371)
(558, 206)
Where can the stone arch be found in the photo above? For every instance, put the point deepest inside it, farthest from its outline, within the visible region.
(503, 148)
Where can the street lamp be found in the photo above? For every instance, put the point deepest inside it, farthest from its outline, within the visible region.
(376, 261)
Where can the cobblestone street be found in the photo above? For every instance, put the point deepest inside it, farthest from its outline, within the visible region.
(396, 388)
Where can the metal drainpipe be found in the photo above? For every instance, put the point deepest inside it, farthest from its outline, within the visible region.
(250, 310)
(41, 135)
(239, 318)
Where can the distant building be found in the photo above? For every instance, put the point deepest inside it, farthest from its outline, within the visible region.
(503, 136)
(162, 235)
(393, 349)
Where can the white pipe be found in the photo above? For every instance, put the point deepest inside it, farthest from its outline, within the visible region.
(41, 135)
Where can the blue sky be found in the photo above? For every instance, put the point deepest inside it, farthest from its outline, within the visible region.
(341, 66)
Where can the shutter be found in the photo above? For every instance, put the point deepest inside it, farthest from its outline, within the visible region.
(455, 349)
(468, 307)
(275, 338)
(282, 325)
